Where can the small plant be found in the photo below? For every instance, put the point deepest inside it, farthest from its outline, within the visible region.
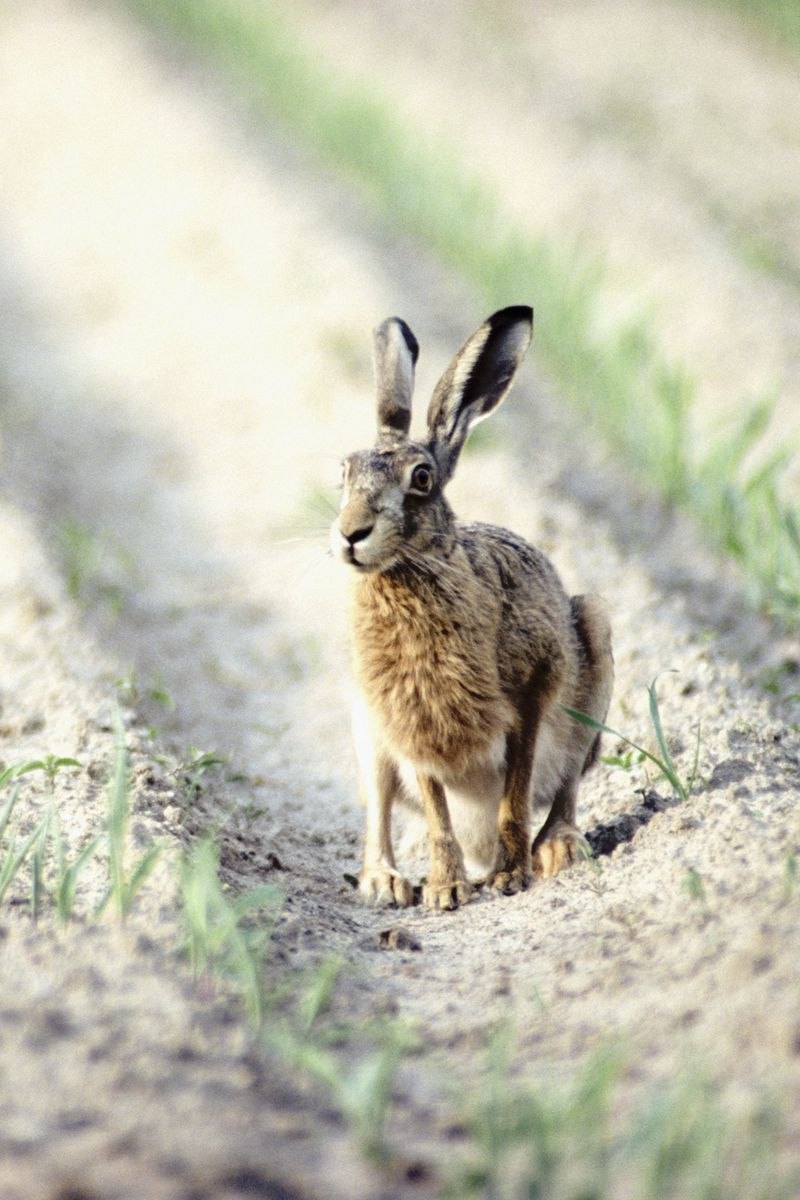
(216, 939)
(364, 1093)
(50, 765)
(161, 695)
(666, 764)
(123, 883)
(131, 691)
(195, 766)
(625, 762)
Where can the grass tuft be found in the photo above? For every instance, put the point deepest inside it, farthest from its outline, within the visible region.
(666, 764)
(217, 939)
(360, 1082)
(124, 882)
(559, 1140)
(35, 846)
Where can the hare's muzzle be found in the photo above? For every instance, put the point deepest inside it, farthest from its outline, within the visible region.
(346, 543)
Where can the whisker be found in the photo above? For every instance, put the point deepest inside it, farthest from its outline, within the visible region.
(301, 538)
(433, 573)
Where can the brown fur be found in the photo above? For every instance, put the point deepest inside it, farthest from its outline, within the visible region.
(465, 644)
(427, 673)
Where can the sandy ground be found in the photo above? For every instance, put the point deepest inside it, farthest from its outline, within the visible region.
(185, 307)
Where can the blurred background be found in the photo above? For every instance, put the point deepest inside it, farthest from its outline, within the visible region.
(631, 168)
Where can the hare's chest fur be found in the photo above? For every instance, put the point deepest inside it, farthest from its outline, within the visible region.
(427, 670)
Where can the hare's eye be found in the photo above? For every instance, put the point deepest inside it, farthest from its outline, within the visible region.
(422, 478)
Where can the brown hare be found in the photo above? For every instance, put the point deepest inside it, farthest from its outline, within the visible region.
(465, 645)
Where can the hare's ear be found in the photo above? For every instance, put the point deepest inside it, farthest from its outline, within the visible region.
(476, 381)
(395, 353)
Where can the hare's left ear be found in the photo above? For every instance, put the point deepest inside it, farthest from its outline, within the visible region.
(395, 351)
(476, 381)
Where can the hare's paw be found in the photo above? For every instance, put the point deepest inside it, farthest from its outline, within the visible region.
(384, 888)
(446, 886)
(446, 896)
(512, 869)
(509, 882)
(561, 846)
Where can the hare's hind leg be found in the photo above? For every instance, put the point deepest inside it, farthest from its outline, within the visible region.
(559, 842)
(512, 872)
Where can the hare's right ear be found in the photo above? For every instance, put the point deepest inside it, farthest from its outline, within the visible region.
(476, 381)
(395, 351)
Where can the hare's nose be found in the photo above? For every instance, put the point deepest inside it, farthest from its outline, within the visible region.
(359, 535)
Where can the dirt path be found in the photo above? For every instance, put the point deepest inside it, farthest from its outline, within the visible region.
(183, 360)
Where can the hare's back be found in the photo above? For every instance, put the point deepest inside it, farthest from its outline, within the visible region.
(507, 562)
(535, 621)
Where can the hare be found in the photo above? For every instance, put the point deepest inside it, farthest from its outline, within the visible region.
(466, 647)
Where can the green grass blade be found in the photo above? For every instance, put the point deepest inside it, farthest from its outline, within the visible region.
(7, 774)
(139, 876)
(665, 765)
(14, 859)
(37, 863)
(316, 999)
(8, 807)
(585, 719)
(103, 903)
(695, 763)
(68, 876)
(117, 821)
(668, 765)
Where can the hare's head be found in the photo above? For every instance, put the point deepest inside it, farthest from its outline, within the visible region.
(393, 508)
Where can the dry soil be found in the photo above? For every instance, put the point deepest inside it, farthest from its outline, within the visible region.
(185, 306)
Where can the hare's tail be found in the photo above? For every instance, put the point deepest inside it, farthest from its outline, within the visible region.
(591, 623)
(593, 757)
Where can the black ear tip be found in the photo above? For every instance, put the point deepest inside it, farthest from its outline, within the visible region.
(512, 315)
(381, 335)
(409, 339)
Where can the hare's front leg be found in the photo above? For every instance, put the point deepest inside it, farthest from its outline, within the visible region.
(379, 881)
(447, 885)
